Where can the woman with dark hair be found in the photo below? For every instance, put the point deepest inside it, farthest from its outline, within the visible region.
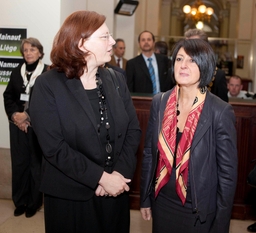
(88, 130)
(189, 167)
(218, 84)
(26, 154)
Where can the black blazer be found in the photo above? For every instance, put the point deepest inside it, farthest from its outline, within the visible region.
(213, 159)
(138, 77)
(219, 85)
(65, 124)
(116, 68)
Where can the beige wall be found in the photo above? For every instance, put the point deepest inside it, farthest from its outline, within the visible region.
(42, 24)
(42, 19)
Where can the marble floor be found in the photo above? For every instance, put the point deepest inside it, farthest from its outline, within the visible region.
(21, 224)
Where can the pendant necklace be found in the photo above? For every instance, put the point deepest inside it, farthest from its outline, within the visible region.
(202, 90)
(104, 117)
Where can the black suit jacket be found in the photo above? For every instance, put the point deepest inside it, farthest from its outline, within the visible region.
(213, 160)
(219, 85)
(138, 77)
(65, 124)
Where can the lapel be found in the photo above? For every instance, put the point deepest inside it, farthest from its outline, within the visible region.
(77, 89)
(124, 63)
(159, 63)
(115, 103)
(163, 101)
(113, 60)
(142, 65)
(204, 122)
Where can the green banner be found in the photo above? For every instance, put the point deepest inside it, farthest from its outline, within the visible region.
(10, 56)
(6, 67)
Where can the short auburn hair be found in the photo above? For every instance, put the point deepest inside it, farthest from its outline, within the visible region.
(66, 55)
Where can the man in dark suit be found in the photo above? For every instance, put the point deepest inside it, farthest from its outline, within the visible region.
(138, 76)
(117, 59)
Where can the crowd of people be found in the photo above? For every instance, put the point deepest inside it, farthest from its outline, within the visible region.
(83, 162)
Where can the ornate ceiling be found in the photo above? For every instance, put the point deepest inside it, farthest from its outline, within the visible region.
(221, 9)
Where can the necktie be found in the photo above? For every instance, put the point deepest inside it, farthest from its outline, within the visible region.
(118, 62)
(152, 75)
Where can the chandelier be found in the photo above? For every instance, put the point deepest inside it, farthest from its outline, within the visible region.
(198, 13)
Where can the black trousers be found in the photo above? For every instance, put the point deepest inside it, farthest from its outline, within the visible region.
(97, 215)
(26, 157)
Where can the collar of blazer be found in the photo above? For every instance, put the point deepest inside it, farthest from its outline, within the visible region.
(112, 97)
(205, 120)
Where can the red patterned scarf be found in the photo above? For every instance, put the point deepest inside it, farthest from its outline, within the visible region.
(167, 143)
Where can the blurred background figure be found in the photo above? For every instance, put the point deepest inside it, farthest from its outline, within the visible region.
(161, 47)
(147, 72)
(117, 59)
(235, 87)
(26, 154)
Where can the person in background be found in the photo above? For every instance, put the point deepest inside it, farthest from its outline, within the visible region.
(189, 168)
(26, 154)
(235, 87)
(117, 59)
(88, 130)
(161, 47)
(147, 72)
(218, 84)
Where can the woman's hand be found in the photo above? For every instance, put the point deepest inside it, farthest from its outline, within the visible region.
(145, 213)
(114, 183)
(19, 117)
(100, 191)
(24, 126)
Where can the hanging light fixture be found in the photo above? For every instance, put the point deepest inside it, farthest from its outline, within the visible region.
(198, 12)
(199, 25)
